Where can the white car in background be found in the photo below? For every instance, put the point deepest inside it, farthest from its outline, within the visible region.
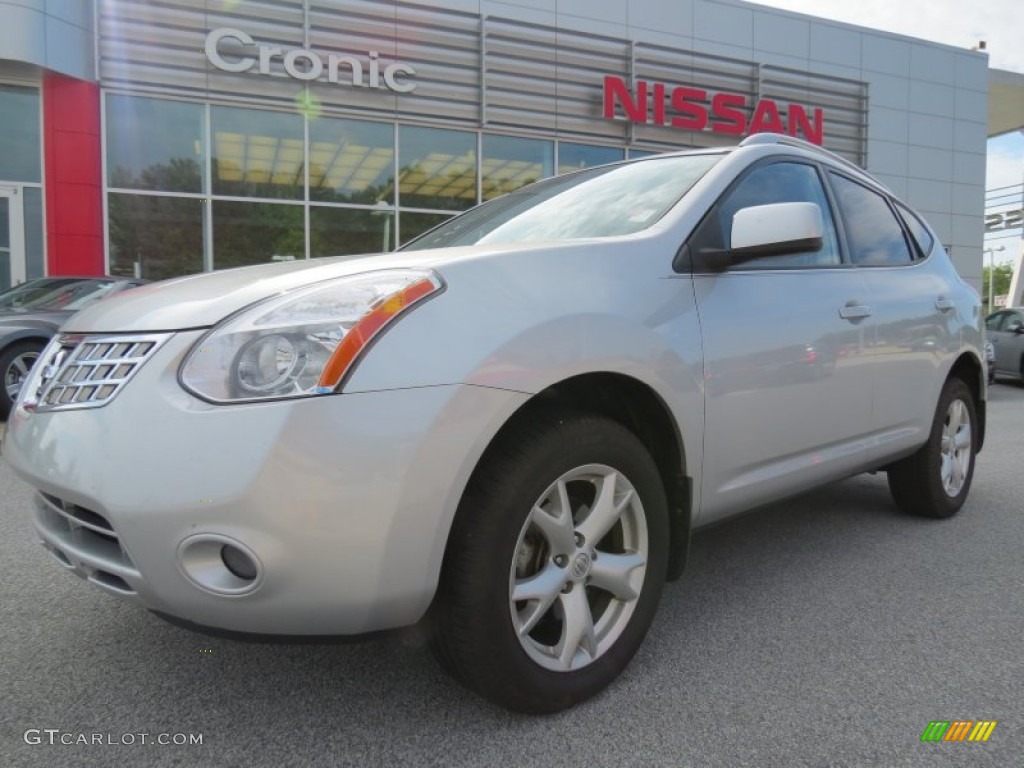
(510, 428)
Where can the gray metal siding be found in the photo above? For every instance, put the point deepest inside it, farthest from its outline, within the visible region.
(472, 71)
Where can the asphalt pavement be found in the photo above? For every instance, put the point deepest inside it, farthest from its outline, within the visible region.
(825, 631)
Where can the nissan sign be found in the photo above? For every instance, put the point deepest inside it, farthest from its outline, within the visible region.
(696, 109)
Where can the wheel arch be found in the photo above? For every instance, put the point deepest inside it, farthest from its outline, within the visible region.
(638, 407)
(969, 369)
(20, 337)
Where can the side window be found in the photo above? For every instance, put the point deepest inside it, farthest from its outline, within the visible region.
(918, 231)
(766, 184)
(872, 231)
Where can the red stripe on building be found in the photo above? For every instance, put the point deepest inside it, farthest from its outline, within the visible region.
(73, 180)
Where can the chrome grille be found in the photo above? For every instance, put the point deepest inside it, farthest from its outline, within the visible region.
(77, 371)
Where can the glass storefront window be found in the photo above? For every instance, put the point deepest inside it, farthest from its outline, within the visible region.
(415, 224)
(510, 163)
(257, 153)
(155, 237)
(35, 263)
(574, 157)
(255, 233)
(345, 231)
(437, 168)
(351, 161)
(258, 156)
(19, 134)
(154, 144)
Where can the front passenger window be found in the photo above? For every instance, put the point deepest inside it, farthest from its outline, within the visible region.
(764, 185)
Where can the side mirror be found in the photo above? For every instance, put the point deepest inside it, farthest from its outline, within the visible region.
(772, 230)
(1015, 327)
(769, 230)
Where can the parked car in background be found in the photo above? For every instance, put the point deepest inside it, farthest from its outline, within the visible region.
(1005, 331)
(31, 313)
(990, 361)
(510, 427)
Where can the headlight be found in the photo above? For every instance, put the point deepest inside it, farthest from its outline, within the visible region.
(303, 342)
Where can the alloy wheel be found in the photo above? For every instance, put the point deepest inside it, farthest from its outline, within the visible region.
(956, 447)
(17, 372)
(579, 568)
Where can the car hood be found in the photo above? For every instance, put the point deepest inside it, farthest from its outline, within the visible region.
(200, 301)
(46, 320)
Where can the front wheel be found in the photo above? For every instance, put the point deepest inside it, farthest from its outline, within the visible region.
(555, 564)
(15, 363)
(934, 481)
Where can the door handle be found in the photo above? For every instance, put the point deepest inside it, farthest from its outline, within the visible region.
(855, 311)
(944, 304)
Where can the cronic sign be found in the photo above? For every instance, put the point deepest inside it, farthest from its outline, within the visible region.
(303, 64)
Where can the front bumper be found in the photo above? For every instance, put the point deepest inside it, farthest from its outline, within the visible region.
(345, 501)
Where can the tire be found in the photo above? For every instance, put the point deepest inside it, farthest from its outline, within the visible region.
(15, 363)
(934, 482)
(589, 584)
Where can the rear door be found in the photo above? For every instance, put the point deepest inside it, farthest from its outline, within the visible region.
(787, 398)
(913, 303)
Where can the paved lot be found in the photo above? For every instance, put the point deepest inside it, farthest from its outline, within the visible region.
(827, 631)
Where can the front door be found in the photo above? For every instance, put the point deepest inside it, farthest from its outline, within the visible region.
(787, 394)
(12, 237)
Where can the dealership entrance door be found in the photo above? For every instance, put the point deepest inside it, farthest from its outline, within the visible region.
(12, 237)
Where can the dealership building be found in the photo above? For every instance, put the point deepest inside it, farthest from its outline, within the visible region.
(164, 137)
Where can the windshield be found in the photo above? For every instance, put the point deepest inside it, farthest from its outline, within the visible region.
(70, 297)
(23, 294)
(599, 202)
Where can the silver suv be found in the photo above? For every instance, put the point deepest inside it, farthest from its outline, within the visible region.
(509, 429)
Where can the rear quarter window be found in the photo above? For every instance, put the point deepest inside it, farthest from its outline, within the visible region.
(918, 231)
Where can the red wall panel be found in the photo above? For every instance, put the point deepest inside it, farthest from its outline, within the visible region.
(73, 180)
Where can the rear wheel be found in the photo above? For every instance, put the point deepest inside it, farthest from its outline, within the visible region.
(934, 482)
(15, 363)
(555, 564)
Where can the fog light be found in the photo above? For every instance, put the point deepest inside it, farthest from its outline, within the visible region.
(239, 563)
(220, 564)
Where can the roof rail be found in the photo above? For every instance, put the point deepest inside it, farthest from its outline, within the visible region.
(792, 141)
